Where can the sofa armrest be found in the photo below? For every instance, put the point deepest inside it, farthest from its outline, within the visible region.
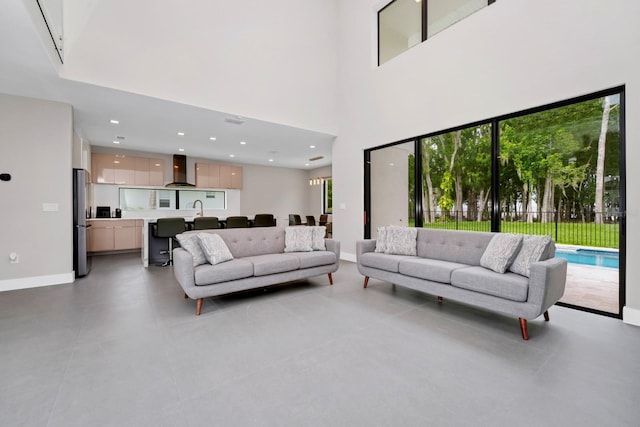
(333, 246)
(546, 282)
(364, 246)
(183, 269)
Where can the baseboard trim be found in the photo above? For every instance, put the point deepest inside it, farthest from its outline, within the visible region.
(348, 257)
(36, 282)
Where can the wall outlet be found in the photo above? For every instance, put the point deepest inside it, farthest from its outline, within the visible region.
(14, 258)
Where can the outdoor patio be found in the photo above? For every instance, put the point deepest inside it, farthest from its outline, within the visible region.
(592, 287)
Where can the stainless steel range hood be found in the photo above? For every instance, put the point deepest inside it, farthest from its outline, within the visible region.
(179, 172)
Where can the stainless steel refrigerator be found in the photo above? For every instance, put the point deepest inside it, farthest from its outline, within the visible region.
(81, 210)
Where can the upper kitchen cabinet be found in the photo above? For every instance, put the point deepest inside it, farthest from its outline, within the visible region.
(236, 177)
(156, 172)
(102, 168)
(211, 175)
(126, 170)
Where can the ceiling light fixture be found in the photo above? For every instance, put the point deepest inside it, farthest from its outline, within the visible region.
(180, 149)
(115, 122)
(116, 142)
(312, 146)
(243, 143)
(180, 133)
(212, 138)
(232, 155)
(306, 164)
(271, 160)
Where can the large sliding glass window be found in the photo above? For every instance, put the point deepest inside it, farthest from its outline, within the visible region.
(555, 170)
(456, 177)
(392, 186)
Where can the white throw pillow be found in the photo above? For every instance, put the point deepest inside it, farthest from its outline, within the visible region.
(214, 248)
(317, 241)
(298, 239)
(533, 247)
(401, 240)
(501, 251)
(381, 240)
(191, 244)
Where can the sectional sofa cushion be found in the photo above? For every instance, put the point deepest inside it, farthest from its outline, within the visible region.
(450, 245)
(234, 269)
(501, 251)
(191, 243)
(214, 248)
(429, 269)
(385, 262)
(508, 286)
(533, 249)
(264, 265)
(315, 259)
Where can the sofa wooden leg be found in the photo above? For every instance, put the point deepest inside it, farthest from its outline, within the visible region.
(546, 316)
(186, 296)
(198, 306)
(439, 298)
(330, 279)
(366, 281)
(524, 329)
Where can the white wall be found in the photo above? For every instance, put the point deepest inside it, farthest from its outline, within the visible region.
(36, 141)
(273, 61)
(279, 191)
(507, 57)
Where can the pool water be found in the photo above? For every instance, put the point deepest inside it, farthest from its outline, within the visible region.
(590, 257)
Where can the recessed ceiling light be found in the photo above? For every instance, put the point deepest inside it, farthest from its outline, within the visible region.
(232, 155)
(180, 149)
(271, 160)
(306, 164)
(180, 133)
(116, 142)
(243, 143)
(212, 138)
(115, 122)
(312, 146)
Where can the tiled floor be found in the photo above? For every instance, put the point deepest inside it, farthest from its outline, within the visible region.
(123, 348)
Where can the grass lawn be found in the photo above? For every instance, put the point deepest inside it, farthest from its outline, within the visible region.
(568, 233)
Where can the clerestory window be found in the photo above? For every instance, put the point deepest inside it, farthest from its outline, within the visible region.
(403, 24)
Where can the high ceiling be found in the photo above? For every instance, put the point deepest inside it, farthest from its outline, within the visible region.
(145, 123)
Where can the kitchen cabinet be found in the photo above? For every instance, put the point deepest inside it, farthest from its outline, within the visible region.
(126, 170)
(114, 234)
(156, 172)
(141, 171)
(102, 168)
(211, 175)
(207, 175)
(123, 171)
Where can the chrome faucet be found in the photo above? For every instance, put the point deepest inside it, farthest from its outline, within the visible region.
(201, 207)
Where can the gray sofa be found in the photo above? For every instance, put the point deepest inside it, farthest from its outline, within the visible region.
(259, 260)
(448, 265)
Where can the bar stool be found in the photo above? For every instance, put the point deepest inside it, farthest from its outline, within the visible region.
(311, 220)
(264, 220)
(205, 222)
(169, 228)
(237, 222)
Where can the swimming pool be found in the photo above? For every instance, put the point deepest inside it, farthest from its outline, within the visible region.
(589, 257)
